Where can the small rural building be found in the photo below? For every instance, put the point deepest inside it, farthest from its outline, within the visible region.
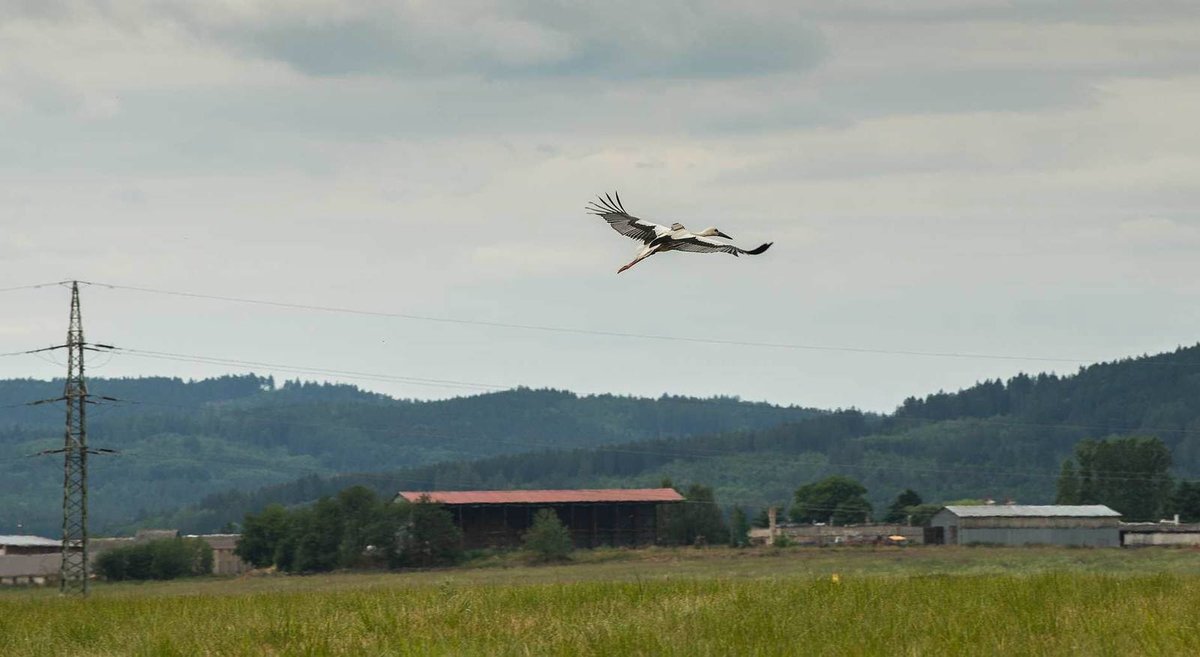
(31, 560)
(225, 562)
(29, 569)
(1142, 534)
(1093, 525)
(595, 517)
(21, 544)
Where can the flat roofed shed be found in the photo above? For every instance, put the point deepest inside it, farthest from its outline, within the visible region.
(22, 544)
(605, 516)
(1092, 525)
(28, 541)
(1033, 511)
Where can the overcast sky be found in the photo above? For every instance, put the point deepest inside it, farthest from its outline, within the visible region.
(991, 178)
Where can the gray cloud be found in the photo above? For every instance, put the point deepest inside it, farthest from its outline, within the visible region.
(985, 176)
(609, 41)
(1096, 12)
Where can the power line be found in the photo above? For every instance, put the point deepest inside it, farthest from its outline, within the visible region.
(450, 383)
(350, 374)
(684, 453)
(406, 476)
(374, 376)
(694, 453)
(31, 287)
(590, 332)
(992, 421)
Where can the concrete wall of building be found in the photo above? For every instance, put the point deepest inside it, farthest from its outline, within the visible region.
(225, 562)
(948, 523)
(1139, 539)
(1094, 532)
(838, 535)
(1081, 536)
(1027, 522)
(29, 569)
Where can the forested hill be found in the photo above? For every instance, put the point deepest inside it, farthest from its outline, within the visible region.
(995, 439)
(1152, 389)
(182, 440)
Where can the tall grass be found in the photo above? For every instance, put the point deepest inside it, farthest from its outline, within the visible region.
(658, 601)
(1043, 614)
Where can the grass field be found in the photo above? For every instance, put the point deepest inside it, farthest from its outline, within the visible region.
(919, 601)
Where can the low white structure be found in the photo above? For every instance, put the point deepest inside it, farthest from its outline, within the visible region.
(1141, 534)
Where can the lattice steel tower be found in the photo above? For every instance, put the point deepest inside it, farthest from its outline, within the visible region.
(73, 577)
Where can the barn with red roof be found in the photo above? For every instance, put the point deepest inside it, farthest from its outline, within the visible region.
(595, 517)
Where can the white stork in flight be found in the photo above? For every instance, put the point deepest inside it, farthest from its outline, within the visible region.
(659, 239)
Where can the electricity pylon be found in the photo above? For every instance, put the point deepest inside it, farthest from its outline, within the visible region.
(73, 576)
(73, 573)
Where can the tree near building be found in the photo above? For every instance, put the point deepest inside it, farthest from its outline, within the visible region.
(836, 499)
(355, 529)
(166, 558)
(430, 538)
(319, 536)
(548, 539)
(695, 521)
(901, 509)
(261, 535)
(739, 528)
(1129, 474)
(852, 512)
(921, 513)
(1186, 501)
(1068, 484)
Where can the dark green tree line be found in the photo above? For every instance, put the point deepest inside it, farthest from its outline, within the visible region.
(355, 529)
(166, 558)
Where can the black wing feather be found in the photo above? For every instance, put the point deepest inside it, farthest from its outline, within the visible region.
(704, 245)
(624, 223)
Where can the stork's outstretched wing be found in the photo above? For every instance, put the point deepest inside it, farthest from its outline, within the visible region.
(624, 223)
(696, 244)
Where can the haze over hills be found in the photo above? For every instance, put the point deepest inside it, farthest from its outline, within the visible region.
(179, 441)
(999, 439)
(200, 454)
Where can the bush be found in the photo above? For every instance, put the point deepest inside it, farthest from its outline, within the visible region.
(697, 521)
(355, 529)
(739, 528)
(430, 538)
(548, 539)
(166, 558)
(261, 535)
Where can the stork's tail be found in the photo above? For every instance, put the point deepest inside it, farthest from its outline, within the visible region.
(760, 249)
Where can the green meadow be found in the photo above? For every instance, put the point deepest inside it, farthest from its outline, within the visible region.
(915, 601)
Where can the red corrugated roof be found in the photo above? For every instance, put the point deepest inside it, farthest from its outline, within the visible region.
(547, 496)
